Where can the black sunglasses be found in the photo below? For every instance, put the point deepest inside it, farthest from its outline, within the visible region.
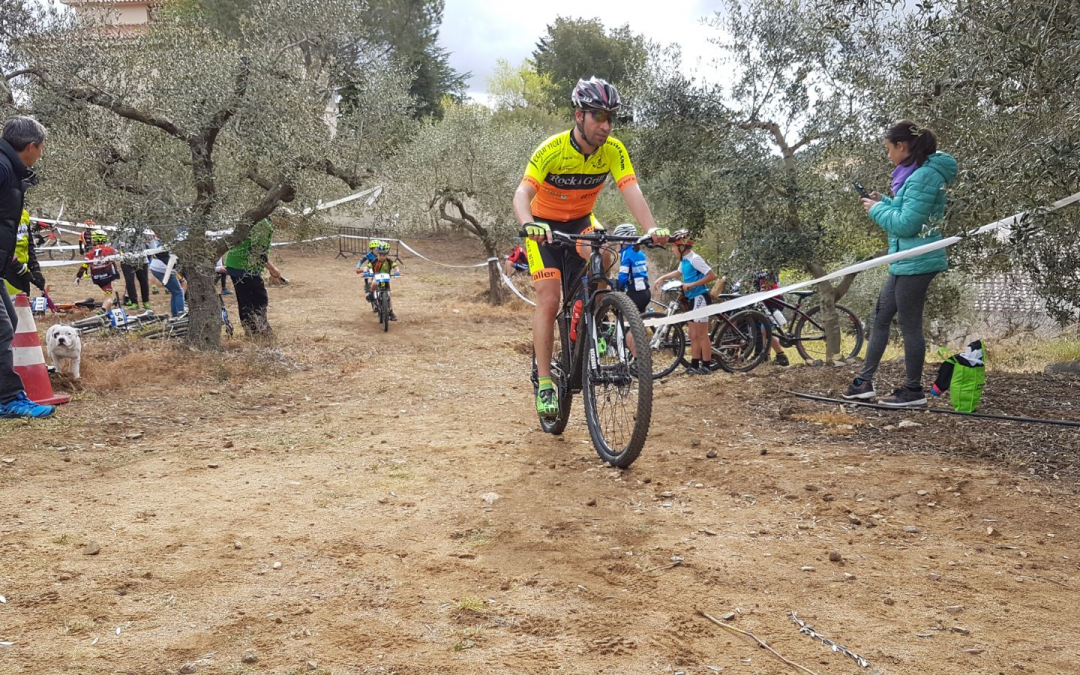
(602, 116)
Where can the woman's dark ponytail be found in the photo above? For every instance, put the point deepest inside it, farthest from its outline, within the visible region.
(921, 141)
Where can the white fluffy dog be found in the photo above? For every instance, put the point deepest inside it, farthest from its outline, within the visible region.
(64, 344)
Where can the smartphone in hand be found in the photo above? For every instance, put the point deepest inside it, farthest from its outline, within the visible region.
(860, 189)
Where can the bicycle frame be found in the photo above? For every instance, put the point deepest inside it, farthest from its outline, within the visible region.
(592, 278)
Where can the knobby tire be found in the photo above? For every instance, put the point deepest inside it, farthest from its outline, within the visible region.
(622, 448)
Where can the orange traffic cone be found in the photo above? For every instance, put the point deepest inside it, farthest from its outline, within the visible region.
(29, 359)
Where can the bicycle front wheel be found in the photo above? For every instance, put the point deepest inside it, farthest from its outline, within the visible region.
(741, 343)
(810, 334)
(618, 393)
(668, 344)
(384, 311)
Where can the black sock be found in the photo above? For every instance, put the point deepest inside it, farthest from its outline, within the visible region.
(695, 363)
(707, 364)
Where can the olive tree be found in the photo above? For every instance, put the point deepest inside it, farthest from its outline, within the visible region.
(463, 170)
(190, 130)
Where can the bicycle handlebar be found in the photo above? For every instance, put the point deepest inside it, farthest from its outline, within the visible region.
(566, 239)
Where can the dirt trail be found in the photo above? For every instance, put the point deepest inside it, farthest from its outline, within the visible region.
(357, 461)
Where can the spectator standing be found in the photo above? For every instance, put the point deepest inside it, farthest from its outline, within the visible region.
(21, 146)
(245, 264)
(912, 218)
(159, 265)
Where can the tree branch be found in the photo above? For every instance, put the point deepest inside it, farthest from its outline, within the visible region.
(353, 180)
(222, 117)
(114, 104)
(266, 183)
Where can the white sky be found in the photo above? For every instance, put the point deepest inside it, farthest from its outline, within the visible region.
(479, 32)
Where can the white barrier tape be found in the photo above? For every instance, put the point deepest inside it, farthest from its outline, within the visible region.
(304, 241)
(413, 251)
(754, 298)
(108, 258)
(510, 284)
(46, 247)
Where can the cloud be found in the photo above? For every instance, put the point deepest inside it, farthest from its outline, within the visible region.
(477, 33)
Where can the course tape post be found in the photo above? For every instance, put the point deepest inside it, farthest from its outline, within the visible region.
(754, 298)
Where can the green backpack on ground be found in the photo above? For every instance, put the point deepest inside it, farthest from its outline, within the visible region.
(964, 375)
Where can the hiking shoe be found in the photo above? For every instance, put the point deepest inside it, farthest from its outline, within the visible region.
(904, 398)
(547, 403)
(781, 359)
(146, 305)
(690, 370)
(860, 389)
(131, 305)
(226, 291)
(24, 407)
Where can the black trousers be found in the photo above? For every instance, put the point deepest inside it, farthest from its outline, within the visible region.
(131, 273)
(251, 301)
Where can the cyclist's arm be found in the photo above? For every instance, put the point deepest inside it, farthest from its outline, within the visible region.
(707, 279)
(523, 197)
(639, 208)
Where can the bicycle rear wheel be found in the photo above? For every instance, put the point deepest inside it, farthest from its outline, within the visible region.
(618, 400)
(53, 254)
(742, 343)
(810, 335)
(668, 350)
(560, 377)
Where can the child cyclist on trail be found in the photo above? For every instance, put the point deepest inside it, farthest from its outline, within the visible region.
(382, 264)
(696, 276)
(101, 270)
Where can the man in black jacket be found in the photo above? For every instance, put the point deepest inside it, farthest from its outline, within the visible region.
(21, 146)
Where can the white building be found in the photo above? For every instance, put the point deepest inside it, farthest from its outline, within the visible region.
(120, 17)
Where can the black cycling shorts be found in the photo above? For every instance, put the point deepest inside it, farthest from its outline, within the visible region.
(640, 299)
(558, 262)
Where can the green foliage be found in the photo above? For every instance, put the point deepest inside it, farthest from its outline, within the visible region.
(577, 48)
(463, 170)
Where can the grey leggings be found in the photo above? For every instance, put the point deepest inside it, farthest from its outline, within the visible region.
(904, 296)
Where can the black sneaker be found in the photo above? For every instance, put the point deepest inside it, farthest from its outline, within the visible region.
(781, 360)
(860, 389)
(904, 398)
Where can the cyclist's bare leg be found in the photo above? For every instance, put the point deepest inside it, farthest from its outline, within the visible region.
(548, 292)
(776, 345)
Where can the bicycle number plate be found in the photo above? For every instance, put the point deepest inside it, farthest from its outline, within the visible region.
(38, 305)
(382, 278)
(118, 317)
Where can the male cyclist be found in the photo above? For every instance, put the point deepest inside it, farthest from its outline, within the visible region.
(561, 183)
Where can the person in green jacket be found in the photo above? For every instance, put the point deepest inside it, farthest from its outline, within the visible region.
(245, 264)
(912, 218)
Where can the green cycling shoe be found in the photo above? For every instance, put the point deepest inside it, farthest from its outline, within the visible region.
(547, 403)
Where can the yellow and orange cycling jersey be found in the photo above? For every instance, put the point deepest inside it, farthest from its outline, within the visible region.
(567, 182)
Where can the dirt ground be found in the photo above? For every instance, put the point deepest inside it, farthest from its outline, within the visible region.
(319, 505)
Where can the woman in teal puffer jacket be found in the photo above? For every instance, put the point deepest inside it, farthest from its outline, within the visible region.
(912, 217)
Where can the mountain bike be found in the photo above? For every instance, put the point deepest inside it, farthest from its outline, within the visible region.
(740, 339)
(668, 343)
(48, 240)
(593, 356)
(382, 297)
(804, 329)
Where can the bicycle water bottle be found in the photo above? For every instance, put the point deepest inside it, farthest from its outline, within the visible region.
(779, 317)
(574, 320)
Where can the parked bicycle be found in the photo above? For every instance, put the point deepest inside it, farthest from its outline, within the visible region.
(49, 240)
(802, 328)
(593, 356)
(667, 343)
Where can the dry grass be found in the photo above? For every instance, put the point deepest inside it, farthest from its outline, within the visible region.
(117, 364)
(830, 418)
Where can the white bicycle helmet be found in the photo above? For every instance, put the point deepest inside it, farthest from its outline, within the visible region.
(625, 230)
